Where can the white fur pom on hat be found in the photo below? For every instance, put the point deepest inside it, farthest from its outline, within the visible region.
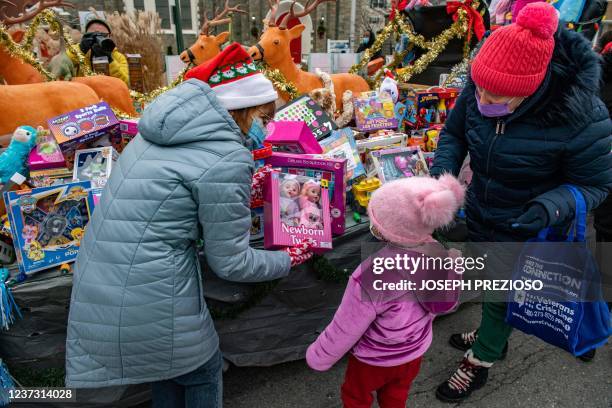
(235, 79)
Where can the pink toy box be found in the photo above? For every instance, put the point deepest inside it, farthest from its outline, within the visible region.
(46, 154)
(296, 208)
(319, 168)
(292, 137)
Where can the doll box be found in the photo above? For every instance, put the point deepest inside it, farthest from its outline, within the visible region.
(309, 219)
(398, 163)
(292, 137)
(46, 154)
(48, 223)
(341, 145)
(374, 111)
(319, 168)
(94, 165)
(84, 125)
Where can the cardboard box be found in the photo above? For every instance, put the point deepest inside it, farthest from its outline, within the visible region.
(47, 224)
(84, 126)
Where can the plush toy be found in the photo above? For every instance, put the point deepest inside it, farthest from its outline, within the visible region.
(326, 98)
(13, 159)
(389, 85)
(62, 67)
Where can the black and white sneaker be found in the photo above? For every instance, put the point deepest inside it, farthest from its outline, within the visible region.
(465, 341)
(471, 375)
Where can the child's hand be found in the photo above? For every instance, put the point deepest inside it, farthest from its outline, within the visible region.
(257, 183)
(300, 253)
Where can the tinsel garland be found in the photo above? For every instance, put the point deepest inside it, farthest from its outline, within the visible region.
(144, 99)
(278, 80)
(457, 29)
(433, 47)
(55, 24)
(17, 51)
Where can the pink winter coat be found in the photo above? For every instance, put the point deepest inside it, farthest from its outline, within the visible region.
(384, 328)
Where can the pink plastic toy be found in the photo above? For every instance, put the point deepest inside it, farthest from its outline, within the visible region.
(314, 219)
(292, 137)
(46, 154)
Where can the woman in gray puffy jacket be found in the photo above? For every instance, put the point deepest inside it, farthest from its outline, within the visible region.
(137, 313)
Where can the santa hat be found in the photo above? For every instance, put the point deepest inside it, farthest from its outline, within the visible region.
(235, 79)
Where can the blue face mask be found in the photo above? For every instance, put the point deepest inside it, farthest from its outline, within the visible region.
(257, 133)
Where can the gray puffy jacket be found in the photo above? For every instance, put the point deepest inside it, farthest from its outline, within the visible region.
(137, 312)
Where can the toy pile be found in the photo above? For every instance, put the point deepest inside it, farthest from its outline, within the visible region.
(319, 172)
(51, 182)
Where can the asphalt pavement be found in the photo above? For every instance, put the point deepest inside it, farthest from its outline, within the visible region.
(534, 374)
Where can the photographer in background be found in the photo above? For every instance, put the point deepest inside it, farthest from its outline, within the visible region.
(97, 42)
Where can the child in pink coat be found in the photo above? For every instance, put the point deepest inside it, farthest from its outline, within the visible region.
(387, 332)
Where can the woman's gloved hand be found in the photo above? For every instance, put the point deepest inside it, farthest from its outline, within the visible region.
(257, 183)
(532, 221)
(301, 252)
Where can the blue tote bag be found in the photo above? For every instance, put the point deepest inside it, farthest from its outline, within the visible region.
(568, 312)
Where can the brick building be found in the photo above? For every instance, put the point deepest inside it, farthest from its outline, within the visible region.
(344, 19)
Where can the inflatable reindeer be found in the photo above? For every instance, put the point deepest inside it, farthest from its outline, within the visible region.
(274, 48)
(16, 72)
(208, 46)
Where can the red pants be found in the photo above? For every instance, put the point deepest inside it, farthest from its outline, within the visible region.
(391, 384)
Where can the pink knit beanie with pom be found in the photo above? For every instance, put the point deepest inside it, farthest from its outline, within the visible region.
(514, 59)
(407, 211)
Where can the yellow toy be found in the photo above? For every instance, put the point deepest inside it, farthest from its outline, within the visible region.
(362, 192)
(431, 139)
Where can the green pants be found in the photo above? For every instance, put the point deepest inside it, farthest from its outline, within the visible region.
(493, 332)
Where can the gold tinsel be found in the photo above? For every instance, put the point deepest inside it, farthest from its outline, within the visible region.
(144, 99)
(17, 51)
(433, 47)
(280, 82)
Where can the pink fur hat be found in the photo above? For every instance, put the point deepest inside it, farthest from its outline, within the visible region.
(407, 211)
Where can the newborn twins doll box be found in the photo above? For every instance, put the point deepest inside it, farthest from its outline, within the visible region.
(296, 208)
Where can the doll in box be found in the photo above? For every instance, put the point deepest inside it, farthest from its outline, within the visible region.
(290, 210)
(314, 219)
(310, 209)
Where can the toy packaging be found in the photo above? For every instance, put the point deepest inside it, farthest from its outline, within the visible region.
(129, 130)
(319, 168)
(401, 162)
(364, 147)
(306, 110)
(374, 111)
(341, 145)
(257, 223)
(94, 165)
(83, 126)
(296, 208)
(292, 137)
(46, 154)
(434, 105)
(48, 223)
(50, 177)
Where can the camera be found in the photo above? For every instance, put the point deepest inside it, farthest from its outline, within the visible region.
(99, 43)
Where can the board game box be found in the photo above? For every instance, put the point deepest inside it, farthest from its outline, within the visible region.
(306, 110)
(374, 111)
(47, 223)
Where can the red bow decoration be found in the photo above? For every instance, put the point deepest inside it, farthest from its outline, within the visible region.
(607, 49)
(397, 5)
(475, 21)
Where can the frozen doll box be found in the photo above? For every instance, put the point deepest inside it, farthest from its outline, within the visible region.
(401, 162)
(296, 208)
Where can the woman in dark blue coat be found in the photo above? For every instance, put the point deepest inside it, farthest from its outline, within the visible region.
(531, 120)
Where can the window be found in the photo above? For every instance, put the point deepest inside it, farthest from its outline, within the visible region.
(378, 3)
(163, 9)
(185, 14)
(139, 5)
